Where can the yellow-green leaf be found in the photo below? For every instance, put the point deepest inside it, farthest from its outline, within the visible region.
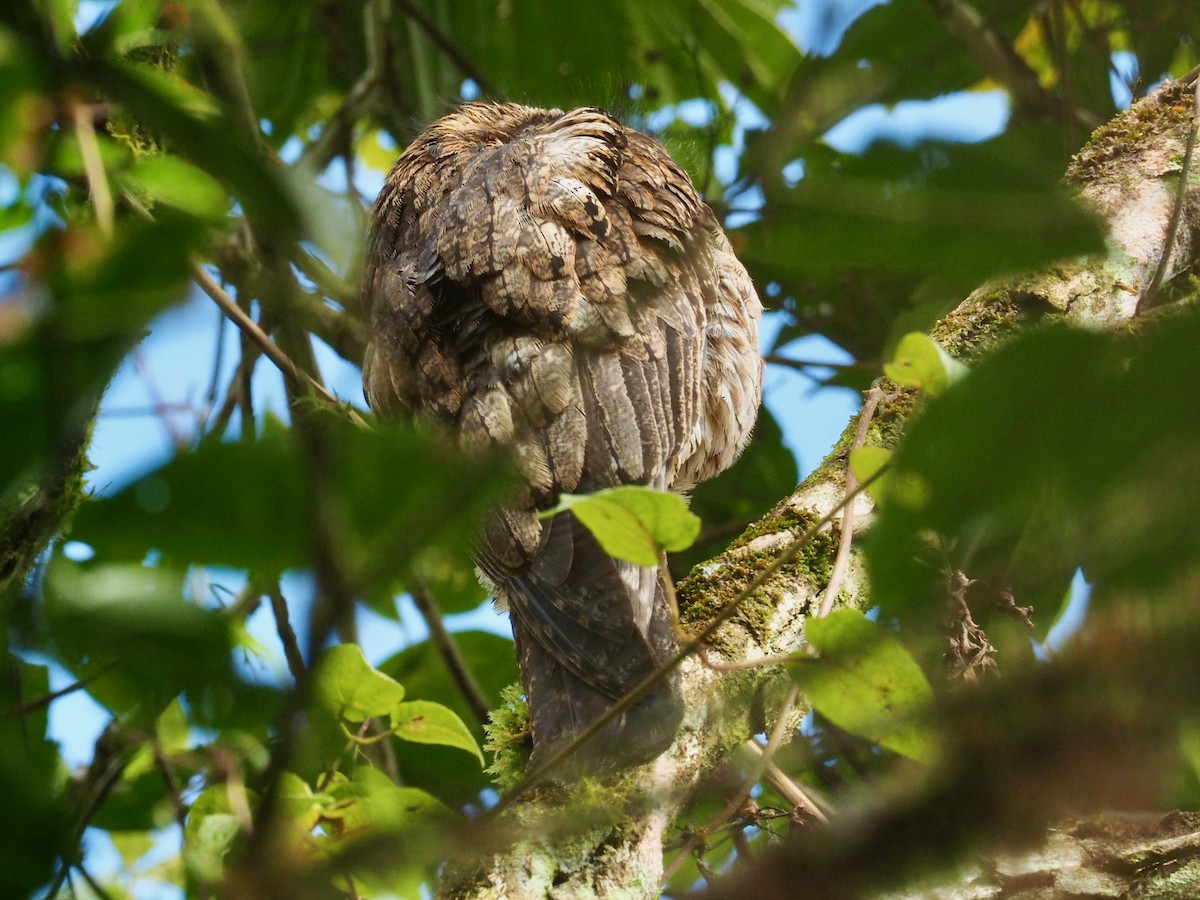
(865, 682)
(347, 684)
(919, 361)
(371, 800)
(633, 523)
(424, 722)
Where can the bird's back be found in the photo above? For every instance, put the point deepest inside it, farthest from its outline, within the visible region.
(551, 283)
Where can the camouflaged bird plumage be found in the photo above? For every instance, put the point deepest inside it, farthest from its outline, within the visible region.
(551, 283)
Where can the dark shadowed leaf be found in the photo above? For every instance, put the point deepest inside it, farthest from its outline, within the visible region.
(1084, 450)
(131, 628)
(402, 489)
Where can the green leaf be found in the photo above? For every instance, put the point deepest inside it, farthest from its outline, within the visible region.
(132, 845)
(299, 802)
(450, 774)
(431, 723)
(131, 627)
(347, 684)
(170, 180)
(402, 490)
(865, 462)
(633, 523)
(213, 829)
(866, 682)
(68, 159)
(919, 361)
(370, 800)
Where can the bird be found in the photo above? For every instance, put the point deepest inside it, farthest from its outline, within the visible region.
(550, 284)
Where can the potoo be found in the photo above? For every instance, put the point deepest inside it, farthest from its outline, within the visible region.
(549, 282)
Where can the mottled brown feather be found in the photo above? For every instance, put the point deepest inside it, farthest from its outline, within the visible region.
(551, 283)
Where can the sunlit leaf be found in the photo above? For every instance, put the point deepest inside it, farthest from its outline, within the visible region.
(431, 723)
(921, 363)
(865, 462)
(452, 775)
(866, 682)
(371, 800)
(347, 684)
(633, 523)
(299, 802)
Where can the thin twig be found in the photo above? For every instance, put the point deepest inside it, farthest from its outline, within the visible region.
(287, 635)
(857, 365)
(996, 55)
(47, 699)
(178, 807)
(162, 410)
(108, 763)
(456, 663)
(739, 665)
(739, 797)
(786, 787)
(1177, 214)
(444, 44)
(871, 403)
(336, 134)
(264, 343)
(101, 893)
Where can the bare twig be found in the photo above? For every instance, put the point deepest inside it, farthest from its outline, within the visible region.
(109, 759)
(757, 768)
(162, 409)
(46, 699)
(857, 365)
(336, 135)
(94, 885)
(786, 787)
(999, 59)
(446, 46)
(287, 635)
(262, 340)
(456, 664)
(874, 396)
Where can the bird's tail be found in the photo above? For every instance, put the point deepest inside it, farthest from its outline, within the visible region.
(589, 631)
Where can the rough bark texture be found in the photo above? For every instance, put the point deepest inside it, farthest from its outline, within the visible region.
(1129, 173)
